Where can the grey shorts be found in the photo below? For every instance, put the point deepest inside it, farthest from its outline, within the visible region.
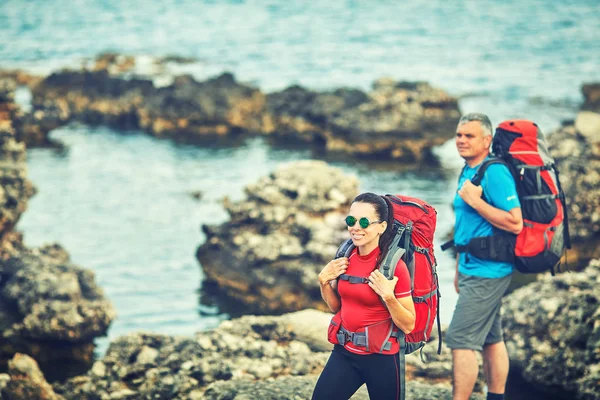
(476, 320)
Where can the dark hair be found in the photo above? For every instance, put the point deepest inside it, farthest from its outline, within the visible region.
(384, 211)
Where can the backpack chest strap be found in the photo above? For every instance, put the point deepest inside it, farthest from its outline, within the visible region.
(353, 279)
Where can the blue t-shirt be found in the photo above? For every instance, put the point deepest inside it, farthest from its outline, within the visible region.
(499, 190)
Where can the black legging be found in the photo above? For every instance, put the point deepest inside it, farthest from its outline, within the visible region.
(345, 372)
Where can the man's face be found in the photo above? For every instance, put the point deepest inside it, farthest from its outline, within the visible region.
(470, 142)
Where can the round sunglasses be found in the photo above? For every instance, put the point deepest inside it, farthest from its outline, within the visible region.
(362, 222)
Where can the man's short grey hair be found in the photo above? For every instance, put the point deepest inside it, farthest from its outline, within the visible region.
(486, 124)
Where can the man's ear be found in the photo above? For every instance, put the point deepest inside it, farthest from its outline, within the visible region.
(488, 140)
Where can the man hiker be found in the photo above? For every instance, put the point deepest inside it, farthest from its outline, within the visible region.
(480, 283)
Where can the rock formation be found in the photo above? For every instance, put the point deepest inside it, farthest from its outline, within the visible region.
(280, 237)
(16, 189)
(576, 150)
(249, 357)
(25, 381)
(49, 308)
(396, 120)
(552, 332)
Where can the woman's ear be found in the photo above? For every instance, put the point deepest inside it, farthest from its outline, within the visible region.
(384, 223)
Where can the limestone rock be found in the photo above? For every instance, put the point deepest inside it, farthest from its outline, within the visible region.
(15, 189)
(402, 121)
(279, 238)
(27, 381)
(591, 94)
(552, 332)
(576, 151)
(253, 357)
(50, 308)
(397, 120)
(588, 124)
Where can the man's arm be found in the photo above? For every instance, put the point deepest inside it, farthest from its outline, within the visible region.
(502, 192)
(511, 221)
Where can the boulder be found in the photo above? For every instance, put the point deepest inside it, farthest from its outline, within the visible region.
(587, 124)
(50, 308)
(268, 256)
(552, 332)
(576, 151)
(396, 120)
(591, 95)
(26, 381)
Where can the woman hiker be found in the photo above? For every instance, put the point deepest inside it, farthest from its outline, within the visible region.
(365, 301)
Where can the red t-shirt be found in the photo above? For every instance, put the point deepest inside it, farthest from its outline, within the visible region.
(361, 306)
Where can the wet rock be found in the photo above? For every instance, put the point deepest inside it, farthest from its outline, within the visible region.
(58, 300)
(552, 331)
(51, 308)
(268, 256)
(27, 381)
(92, 97)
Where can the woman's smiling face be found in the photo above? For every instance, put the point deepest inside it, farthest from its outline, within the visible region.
(366, 239)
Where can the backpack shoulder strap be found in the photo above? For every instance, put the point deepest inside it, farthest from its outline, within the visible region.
(394, 253)
(345, 249)
(476, 180)
(484, 166)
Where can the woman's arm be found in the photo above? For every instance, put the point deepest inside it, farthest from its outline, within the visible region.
(401, 309)
(329, 294)
(328, 282)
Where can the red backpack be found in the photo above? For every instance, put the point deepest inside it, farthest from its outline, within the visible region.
(414, 225)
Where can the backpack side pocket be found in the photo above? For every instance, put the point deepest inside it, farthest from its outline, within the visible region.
(334, 328)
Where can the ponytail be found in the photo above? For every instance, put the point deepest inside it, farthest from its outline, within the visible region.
(388, 235)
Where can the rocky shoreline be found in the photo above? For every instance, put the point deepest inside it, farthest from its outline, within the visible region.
(49, 308)
(276, 241)
(399, 121)
(279, 238)
(278, 357)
